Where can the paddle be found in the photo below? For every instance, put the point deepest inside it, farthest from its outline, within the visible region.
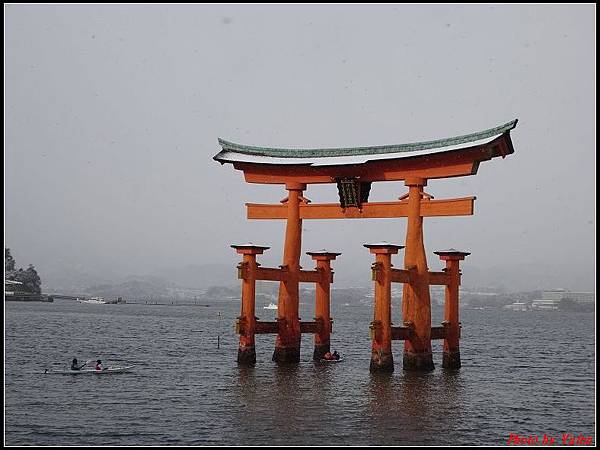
(83, 365)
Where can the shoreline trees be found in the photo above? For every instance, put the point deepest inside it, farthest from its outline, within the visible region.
(29, 277)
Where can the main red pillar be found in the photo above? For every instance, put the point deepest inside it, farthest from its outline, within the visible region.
(416, 301)
(287, 344)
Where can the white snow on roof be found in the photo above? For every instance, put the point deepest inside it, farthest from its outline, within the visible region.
(232, 156)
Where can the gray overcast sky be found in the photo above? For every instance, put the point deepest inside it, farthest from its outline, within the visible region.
(113, 115)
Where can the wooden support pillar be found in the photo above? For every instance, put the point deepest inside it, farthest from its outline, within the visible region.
(451, 355)
(323, 302)
(382, 359)
(246, 322)
(287, 344)
(416, 301)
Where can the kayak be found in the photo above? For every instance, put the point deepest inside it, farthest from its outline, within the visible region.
(330, 360)
(108, 370)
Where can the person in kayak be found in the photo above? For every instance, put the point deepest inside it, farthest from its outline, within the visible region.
(335, 355)
(75, 366)
(99, 365)
(328, 356)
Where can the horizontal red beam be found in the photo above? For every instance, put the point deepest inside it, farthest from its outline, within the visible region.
(439, 278)
(401, 276)
(269, 274)
(373, 210)
(398, 333)
(266, 328)
(309, 327)
(401, 333)
(438, 333)
(310, 276)
(404, 333)
(272, 327)
(272, 274)
(406, 276)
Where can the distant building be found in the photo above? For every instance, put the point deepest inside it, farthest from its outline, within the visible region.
(581, 297)
(12, 286)
(518, 306)
(552, 298)
(14, 292)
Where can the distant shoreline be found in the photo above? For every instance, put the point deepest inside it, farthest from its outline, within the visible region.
(21, 297)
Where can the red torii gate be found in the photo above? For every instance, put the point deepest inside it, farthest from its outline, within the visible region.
(353, 170)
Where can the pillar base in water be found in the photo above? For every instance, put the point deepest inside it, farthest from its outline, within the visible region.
(381, 362)
(451, 360)
(246, 356)
(286, 355)
(320, 350)
(420, 362)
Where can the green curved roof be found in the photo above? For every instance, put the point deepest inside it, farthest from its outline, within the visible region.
(230, 147)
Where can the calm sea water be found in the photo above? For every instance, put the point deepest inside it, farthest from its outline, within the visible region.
(530, 373)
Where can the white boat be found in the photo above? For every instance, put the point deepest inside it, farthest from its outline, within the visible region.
(271, 306)
(93, 300)
(106, 371)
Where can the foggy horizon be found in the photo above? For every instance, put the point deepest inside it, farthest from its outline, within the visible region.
(112, 115)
